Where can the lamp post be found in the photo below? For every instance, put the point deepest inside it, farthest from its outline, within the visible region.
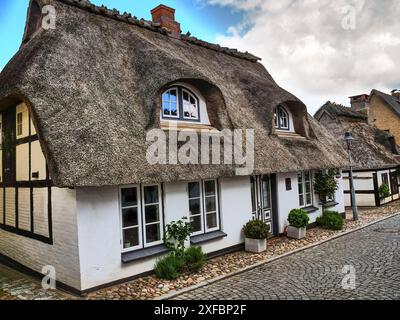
(348, 137)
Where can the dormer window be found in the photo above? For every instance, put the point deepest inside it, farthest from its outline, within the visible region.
(179, 103)
(282, 118)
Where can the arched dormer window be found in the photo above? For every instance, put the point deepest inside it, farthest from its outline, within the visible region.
(181, 104)
(282, 118)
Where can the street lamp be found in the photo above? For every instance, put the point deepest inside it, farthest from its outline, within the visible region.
(348, 137)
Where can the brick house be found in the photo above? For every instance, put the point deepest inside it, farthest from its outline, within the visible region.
(383, 110)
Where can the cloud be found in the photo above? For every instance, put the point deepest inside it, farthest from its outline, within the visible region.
(311, 48)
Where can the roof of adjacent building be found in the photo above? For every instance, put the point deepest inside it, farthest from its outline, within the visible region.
(93, 85)
(391, 101)
(339, 110)
(371, 148)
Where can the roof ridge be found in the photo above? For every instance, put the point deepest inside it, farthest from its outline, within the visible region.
(155, 27)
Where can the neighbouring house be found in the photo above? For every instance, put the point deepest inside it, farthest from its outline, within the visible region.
(77, 102)
(374, 152)
(382, 109)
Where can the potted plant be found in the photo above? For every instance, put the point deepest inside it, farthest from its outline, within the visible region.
(256, 234)
(298, 221)
(325, 185)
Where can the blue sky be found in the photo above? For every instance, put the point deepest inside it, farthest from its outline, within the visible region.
(202, 20)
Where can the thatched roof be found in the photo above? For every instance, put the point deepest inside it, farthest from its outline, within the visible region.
(391, 101)
(371, 149)
(94, 83)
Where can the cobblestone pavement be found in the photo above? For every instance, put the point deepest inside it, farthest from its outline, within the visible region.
(316, 273)
(17, 286)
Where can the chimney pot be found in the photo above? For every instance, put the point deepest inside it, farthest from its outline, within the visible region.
(165, 17)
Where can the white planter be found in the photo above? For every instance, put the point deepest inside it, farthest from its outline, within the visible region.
(296, 233)
(255, 245)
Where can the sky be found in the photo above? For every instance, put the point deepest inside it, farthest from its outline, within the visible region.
(318, 50)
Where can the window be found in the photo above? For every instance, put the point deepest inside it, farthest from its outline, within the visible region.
(179, 103)
(203, 206)
(385, 178)
(19, 124)
(281, 118)
(142, 224)
(305, 189)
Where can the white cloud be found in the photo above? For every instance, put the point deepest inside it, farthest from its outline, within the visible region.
(306, 49)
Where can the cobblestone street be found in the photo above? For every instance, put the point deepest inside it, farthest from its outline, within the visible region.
(316, 273)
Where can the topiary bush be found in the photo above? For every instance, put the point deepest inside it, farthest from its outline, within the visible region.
(298, 218)
(325, 185)
(384, 191)
(331, 220)
(195, 259)
(256, 229)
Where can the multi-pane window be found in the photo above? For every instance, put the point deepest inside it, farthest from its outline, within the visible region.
(281, 118)
(170, 103)
(305, 188)
(142, 224)
(179, 103)
(385, 178)
(203, 206)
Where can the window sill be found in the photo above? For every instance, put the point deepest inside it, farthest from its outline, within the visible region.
(143, 253)
(202, 238)
(310, 209)
(330, 204)
(185, 125)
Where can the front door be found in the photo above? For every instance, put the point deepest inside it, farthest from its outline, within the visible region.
(261, 199)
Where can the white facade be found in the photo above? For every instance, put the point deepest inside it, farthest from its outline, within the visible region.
(367, 188)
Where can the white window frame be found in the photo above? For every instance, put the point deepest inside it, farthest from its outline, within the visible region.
(161, 221)
(201, 231)
(141, 217)
(203, 215)
(196, 103)
(278, 118)
(169, 104)
(19, 125)
(304, 194)
(140, 245)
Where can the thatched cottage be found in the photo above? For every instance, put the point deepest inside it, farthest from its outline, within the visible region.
(77, 102)
(375, 153)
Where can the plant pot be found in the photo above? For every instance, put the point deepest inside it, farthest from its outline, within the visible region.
(255, 245)
(296, 233)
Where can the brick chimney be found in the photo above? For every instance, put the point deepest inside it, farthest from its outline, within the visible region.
(165, 16)
(359, 102)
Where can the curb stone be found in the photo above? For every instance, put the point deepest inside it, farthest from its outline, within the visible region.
(208, 282)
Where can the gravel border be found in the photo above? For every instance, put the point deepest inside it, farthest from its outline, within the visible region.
(208, 282)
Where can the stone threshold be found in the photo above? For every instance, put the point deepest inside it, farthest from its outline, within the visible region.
(216, 279)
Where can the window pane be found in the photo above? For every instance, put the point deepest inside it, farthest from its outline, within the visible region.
(195, 223)
(210, 204)
(308, 198)
(185, 96)
(301, 200)
(153, 233)
(173, 108)
(209, 188)
(194, 206)
(192, 100)
(307, 175)
(131, 237)
(308, 187)
(253, 195)
(266, 193)
(129, 197)
(166, 108)
(150, 194)
(212, 220)
(300, 188)
(194, 190)
(129, 217)
(152, 214)
(172, 95)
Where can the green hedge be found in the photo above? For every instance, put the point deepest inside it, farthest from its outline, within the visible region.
(331, 220)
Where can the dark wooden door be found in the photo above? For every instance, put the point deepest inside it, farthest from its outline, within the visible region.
(394, 183)
(8, 146)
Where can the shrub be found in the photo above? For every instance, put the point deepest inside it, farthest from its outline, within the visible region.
(298, 218)
(169, 267)
(195, 259)
(331, 220)
(325, 184)
(256, 229)
(384, 191)
(176, 234)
